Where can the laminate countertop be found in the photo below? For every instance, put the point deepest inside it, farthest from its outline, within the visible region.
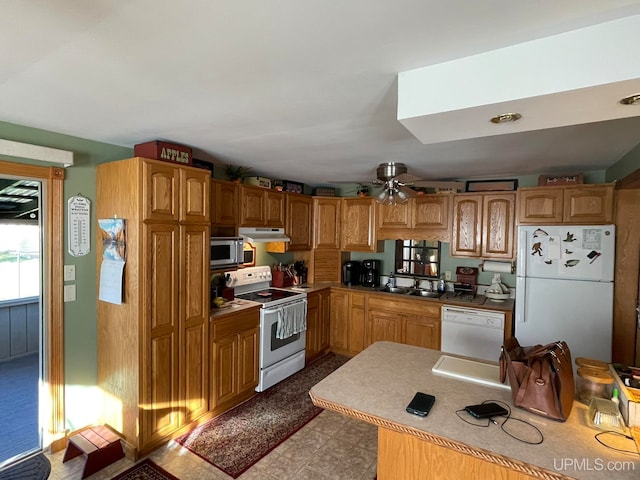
(377, 384)
(481, 301)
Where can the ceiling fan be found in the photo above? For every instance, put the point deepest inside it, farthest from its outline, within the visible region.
(395, 182)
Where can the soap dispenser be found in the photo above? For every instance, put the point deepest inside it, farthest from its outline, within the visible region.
(392, 281)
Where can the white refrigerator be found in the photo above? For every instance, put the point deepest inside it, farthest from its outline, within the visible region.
(564, 287)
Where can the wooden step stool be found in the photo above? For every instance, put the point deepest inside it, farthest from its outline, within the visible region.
(101, 446)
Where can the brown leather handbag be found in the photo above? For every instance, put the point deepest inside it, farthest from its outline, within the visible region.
(541, 377)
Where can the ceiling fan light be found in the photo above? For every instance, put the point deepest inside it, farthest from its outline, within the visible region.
(401, 196)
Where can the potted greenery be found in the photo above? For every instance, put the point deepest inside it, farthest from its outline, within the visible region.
(363, 190)
(235, 173)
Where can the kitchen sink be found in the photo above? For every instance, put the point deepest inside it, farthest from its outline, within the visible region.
(416, 292)
(420, 292)
(395, 290)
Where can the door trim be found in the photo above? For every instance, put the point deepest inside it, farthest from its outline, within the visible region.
(52, 301)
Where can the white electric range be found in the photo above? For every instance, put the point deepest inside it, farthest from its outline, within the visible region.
(282, 323)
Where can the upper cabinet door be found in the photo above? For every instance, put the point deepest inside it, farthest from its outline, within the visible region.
(252, 208)
(540, 206)
(498, 218)
(275, 209)
(326, 223)
(194, 195)
(394, 216)
(299, 221)
(430, 211)
(358, 224)
(224, 203)
(467, 225)
(161, 184)
(592, 204)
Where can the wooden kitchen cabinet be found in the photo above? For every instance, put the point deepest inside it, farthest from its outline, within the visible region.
(383, 325)
(573, 204)
(423, 216)
(261, 207)
(299, 228)
(318, 311)
(235, 343)
(483, 225)
(326, 222)
(423, 330)
(423, 211)
(406, 320)
(224, 203)
(326, 264)
(358, 226)
(172, 193)
(347, 321)
(152, 349)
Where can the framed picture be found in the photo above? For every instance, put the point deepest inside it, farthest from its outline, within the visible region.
(492, 185)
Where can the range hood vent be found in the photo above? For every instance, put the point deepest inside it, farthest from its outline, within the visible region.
(263, 234)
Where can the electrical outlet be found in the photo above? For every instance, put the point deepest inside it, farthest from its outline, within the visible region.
(69, 273)
(447, 275)
(69, 293)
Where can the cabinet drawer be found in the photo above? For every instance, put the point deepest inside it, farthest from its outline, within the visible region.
(235, 323)
(357, 300)
(405, 305)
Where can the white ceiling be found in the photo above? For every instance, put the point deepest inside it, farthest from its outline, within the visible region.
(296, 89)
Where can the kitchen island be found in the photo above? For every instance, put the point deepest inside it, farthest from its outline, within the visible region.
(376, 385)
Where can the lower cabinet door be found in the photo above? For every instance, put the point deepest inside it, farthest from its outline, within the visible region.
(248, 359)
(423, 332)
(225, 366)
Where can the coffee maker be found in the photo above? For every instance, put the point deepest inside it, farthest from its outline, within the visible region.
(351, 272)
(370, 276)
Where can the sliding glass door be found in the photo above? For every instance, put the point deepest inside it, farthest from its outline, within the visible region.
(21, 359)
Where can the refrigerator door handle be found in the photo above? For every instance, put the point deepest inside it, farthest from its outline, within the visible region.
(521, 258)
(520, 299)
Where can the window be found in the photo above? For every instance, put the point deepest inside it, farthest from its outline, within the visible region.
(418, 257)
(19, 261)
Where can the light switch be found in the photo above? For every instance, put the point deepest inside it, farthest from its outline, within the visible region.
(69, 273)
(69, 293)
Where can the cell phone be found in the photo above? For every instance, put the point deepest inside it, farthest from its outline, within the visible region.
(486, 410)
(421, 404)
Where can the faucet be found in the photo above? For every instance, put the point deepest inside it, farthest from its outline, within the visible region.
(416, 282)
(391, 283)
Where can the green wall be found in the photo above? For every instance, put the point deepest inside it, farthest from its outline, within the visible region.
(626, 165)
(80, 316)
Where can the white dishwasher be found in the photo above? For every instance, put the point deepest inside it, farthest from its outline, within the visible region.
(472, 332)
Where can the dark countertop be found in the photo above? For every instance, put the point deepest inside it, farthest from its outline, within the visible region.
(481, 301)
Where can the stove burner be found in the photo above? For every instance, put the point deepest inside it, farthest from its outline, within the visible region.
(266, 297)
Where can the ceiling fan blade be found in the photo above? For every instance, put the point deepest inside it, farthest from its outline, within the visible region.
(439, 184)
(406, 178)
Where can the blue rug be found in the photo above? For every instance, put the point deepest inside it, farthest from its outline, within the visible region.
(33, 468)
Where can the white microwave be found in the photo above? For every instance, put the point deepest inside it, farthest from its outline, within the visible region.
(226, 252)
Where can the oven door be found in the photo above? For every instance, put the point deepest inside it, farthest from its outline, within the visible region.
(273, 349)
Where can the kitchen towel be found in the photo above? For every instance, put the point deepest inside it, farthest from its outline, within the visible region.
(292, 319)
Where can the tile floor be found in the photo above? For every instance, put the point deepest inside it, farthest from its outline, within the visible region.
(330, 447)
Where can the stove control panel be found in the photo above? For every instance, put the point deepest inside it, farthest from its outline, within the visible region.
(248, 276)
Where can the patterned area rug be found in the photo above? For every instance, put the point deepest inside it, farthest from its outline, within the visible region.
(145, 470)
(33, 468)
(237, 439)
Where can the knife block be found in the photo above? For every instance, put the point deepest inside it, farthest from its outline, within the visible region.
(281, 279)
